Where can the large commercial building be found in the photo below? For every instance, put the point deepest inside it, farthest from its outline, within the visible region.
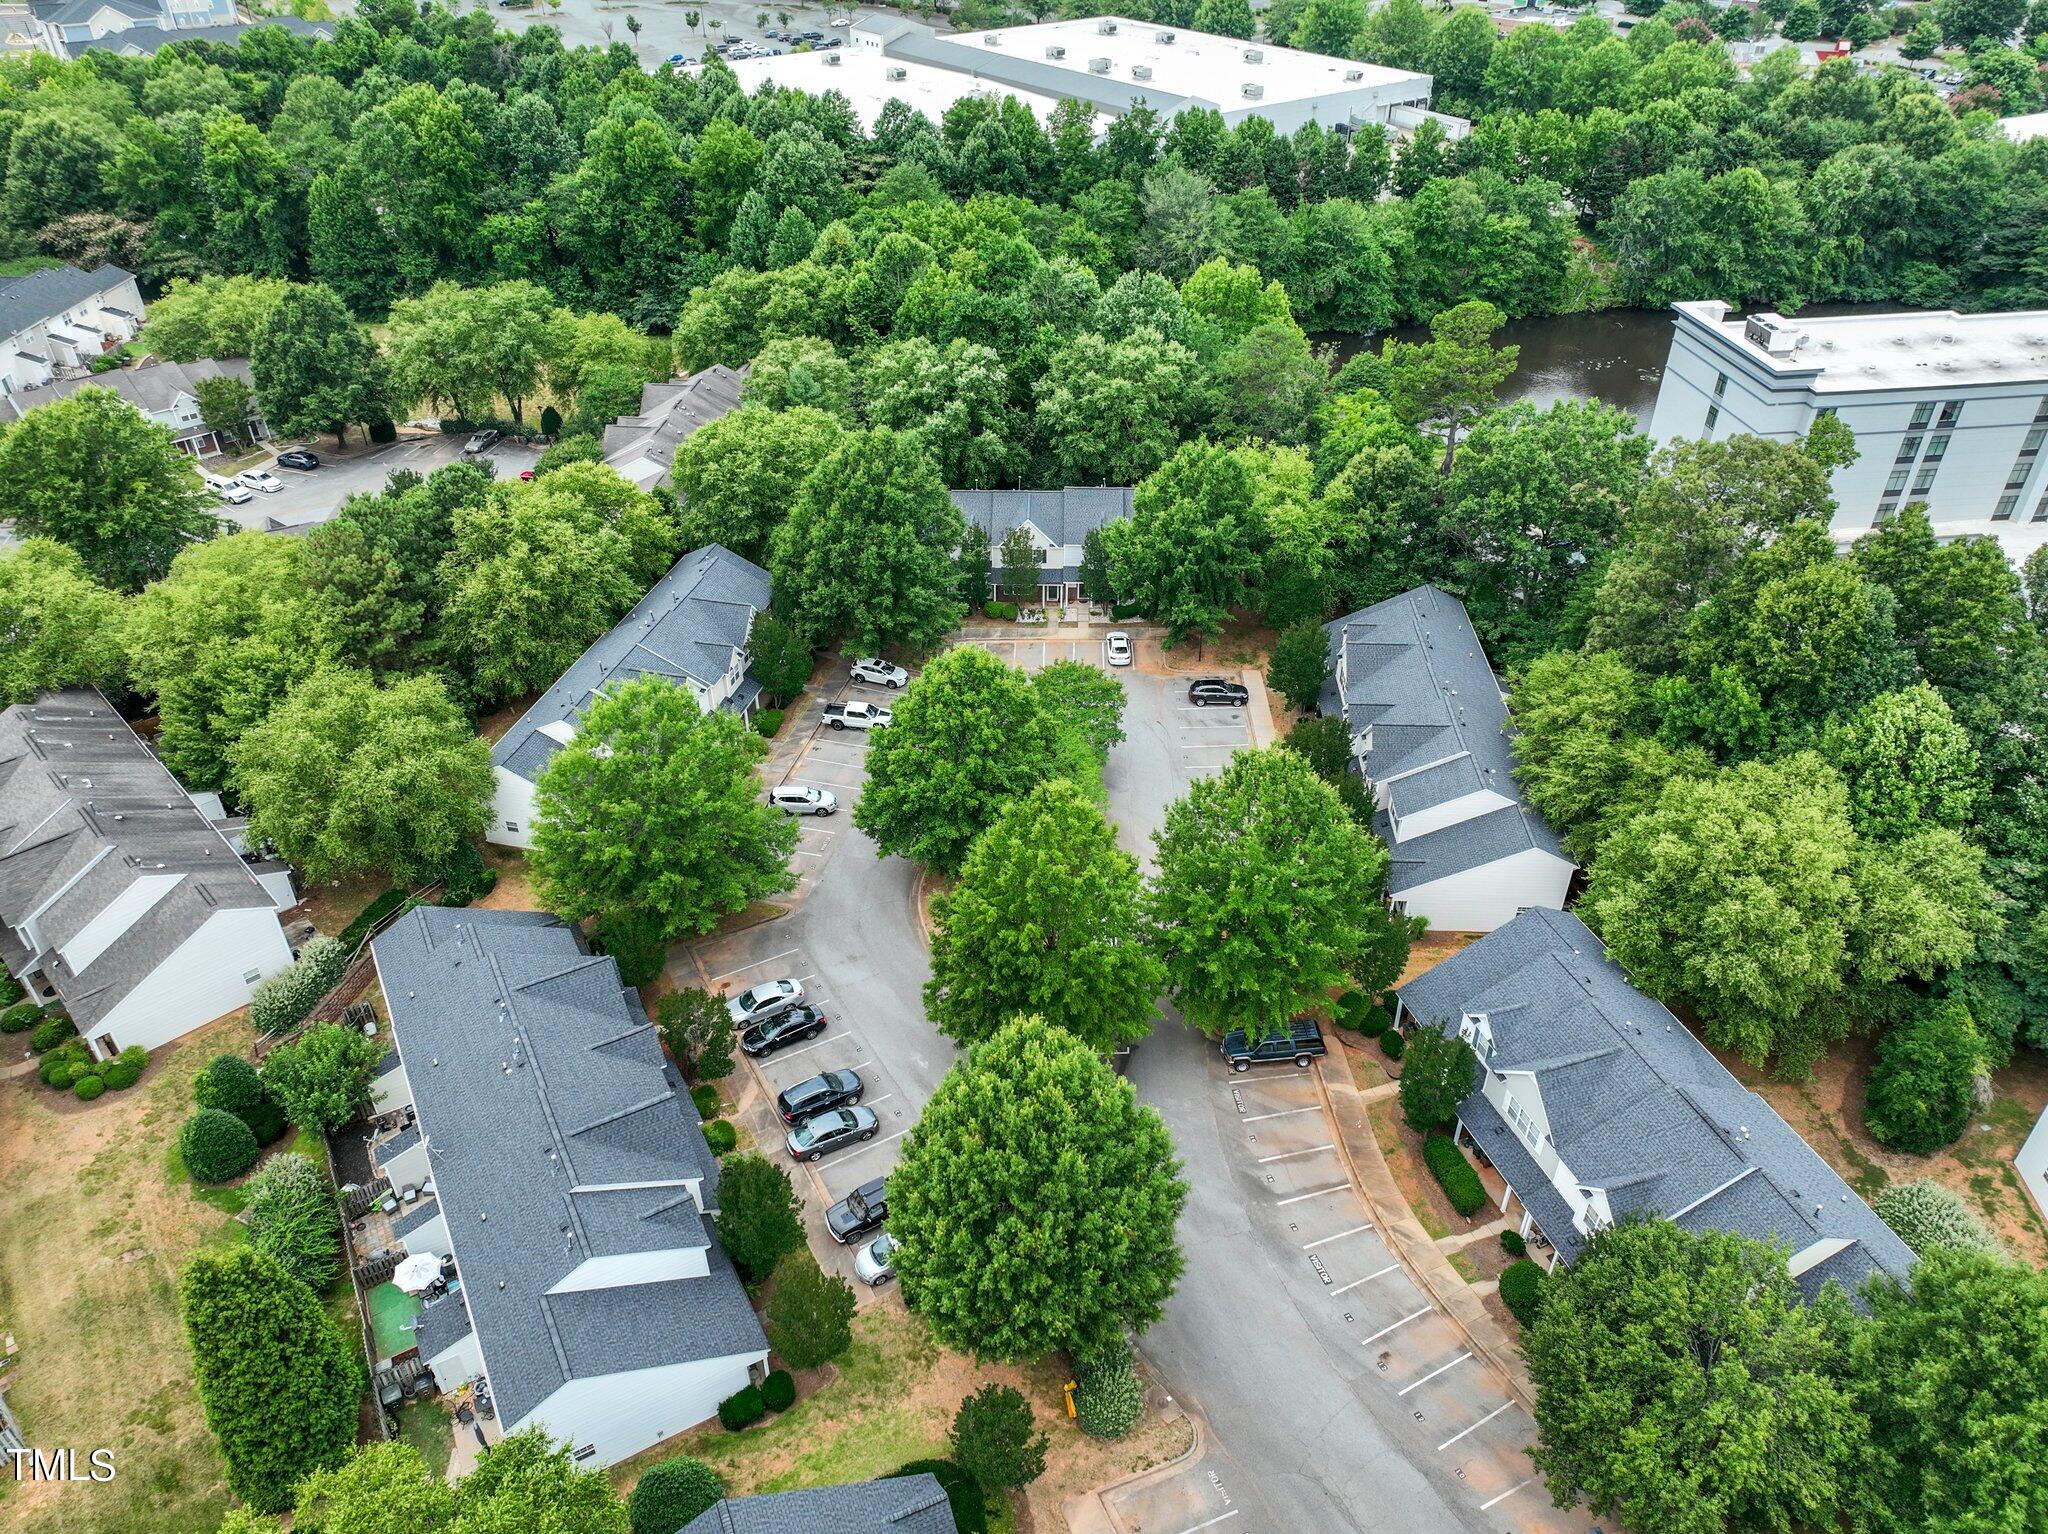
(870, 80)
(1949, 409)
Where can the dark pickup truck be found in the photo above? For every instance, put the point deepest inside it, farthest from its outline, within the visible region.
(860, 1211)
(1301, 1041)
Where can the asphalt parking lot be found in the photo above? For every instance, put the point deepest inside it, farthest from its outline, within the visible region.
(315, 495)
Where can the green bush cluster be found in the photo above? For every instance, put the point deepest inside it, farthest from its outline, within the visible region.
(230, 1083)
(284, 1000)
(10, 988)
(720, 1136)
(1927, 1215)
(466, 878)
(86, 1088)
(1376, 1022)
(61, 1067)
(742, 1409)
(963, 1492)
(1920, 1096)
(1392, 1043)
(71, 1067)
(1447, 1164)
(1512, 1243)
(1521, 1290)
(767, 722)
(216, 1146)
(1000, 612)
(1110, 1399)
(779, 1390)
(705, 1096)
(20, 1017)
(50, 1032)
(1351, 1010)
(671, 1494)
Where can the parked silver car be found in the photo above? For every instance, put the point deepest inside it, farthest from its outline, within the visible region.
(801, 799)
(824, 1132)
(1119, 646)
(875, 1263)
(768, 999)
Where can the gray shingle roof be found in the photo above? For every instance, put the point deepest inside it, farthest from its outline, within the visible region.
(89, 817)
(148, 39)
(38, 296)
(1637, 1105)
(1064, 516)
(913, 1504)
(1414, 671)
(687, 626)
(558, 1133)
(152, 388)
(669, 412)
(71, 12)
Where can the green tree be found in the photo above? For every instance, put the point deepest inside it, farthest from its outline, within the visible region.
(993, 1439)
(347, 778)
(323, 1076)
(362, 606)
(1438, 1071)
(794, 371)
(779, 656)
(866, 554)
(1300, 664)
(1930, 1216)
(758, 1220)
(63, 628)
(382, 1488)
(1035, 1202)
(1966, 22)
(809, 1314)
(1110, 412)
(1682, 1385)
(1908, 764)
(1084, 702)
(737, 476)
(1188, 551)
(94, 473)
(969, 735)
(1267, 896)
(654, 808)
(1019, 560)
(672, 1493)
(1920, 1097)
(527, 1483)
(698, 1032)
(1045, 919)
(1225, 18)
(1448, 382)
(276, 1377)
(212, 316)
(228, 406)
(315, 369)
(956, 398)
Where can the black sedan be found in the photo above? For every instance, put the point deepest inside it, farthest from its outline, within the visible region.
(828, 1131)
(785, 1028)
(1213, 689)
(833, 1089)
(299, 458)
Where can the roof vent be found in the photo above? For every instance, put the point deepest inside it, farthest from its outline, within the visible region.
(1255, 55)
(1162, 37)
(1252, 92)
(1106, 28)
(1055, 52)
(992, 39)
(1353, 76)
(1141, 71)
(1098, 66)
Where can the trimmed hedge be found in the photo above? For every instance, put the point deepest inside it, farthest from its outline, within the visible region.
(391, 900)
(1512, 1243)
(963, 1492)
(1392, 1044)
(671, 1494)
(1461, 1184)
(231, 1084)
(20, 1017)
(51, 1032)
(742, 1409)
(216, 1146)
(120, 1076)
(1376, 1022)
(720, 1136)
(767, 722)
(86, 1088)
(1000, 612)
(61, 1066)
(1351, 1010)
(779, 1390)
(705, 1096)
(1521, 1290)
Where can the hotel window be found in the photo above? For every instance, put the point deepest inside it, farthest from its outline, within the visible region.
(2034, 440)
(1896, 485)
(1925, 481)
(1922, 414)
(1936, 446)
(1951, 412)
(1886, 510)
(2018, 476)
(1721, 386)
(2003, 511)
(1713, 415)
(2041, 511)
(1909, 448)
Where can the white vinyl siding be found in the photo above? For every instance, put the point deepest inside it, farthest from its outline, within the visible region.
(200, 981)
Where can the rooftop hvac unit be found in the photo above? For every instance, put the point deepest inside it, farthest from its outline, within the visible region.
(1252, 92)
(831, 61)
(1055, 52)
(1106, 28)
(897, 72)
(1162, 37)
(1255, 55)
(992, 39)
(1098, 66)
(1141, 71)
(1353, 76)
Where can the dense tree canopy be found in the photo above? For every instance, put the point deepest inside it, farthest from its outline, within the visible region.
(62, 626)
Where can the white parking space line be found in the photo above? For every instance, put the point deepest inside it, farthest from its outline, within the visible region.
(1290, 1155)
(791, 1054)
(1382, 1273)
(882, 1099)
(1283, 1113)
(755, 965)
(1439, 1369)
(805, 852)
(1318, 1193)
(1310, 1246)
(1475, 1427)
(1192, 1528)
(1411, 1316)
(1508, 1493)
(875, 1144)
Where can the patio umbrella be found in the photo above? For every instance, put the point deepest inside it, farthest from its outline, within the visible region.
(417, 1273)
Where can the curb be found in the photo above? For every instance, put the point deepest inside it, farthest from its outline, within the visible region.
(1198, 1445)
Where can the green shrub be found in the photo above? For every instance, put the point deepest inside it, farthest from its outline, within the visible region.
(634, 940)
(65, 1064)
(293, 1215)
(1351, 1005)
(1392, 1044)
(809, 1314)
(1521, 1290)
(86, 1088)
(20, 1017)
(995, 1438)
(1512, 1243)
(10, 989)
(705, 1096)
(1110, 1399)
(230, 1083)
(134, 1055)
(742, 1410)
(386, 904)
(1376, 1022)
(720, 1136)
(766, 722)
(963, 1492)
(779, 1390)
(1000, 612)
(51, 1032)
(1920, 1089)
(286, 999)
(1926, 1216)
(1447, 1164)
(672, 1494)
(1439, 1073)
(466, 878)
(120, 1076)
(216, 1146)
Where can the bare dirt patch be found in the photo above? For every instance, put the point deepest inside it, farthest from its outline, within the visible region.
(1431, 949)
(492, 727)
(331, 907)
(514, 889)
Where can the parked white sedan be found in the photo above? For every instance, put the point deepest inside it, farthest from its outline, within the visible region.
(1119, 644)
(879, 672)
(258, 479)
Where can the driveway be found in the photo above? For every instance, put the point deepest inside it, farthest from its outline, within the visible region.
(315, 495)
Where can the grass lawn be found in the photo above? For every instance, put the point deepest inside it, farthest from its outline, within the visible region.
(430, 1428)
(96, 1220)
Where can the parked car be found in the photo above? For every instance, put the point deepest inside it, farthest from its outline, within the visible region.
(1210, 690)
(678, 60)
(1119, 647)
(483, 441)
(732, 39)
(875, 1263)
(299, 458)
(799, 799)
(862, 1210)
(830, 42)
(856, 716)
(763, 1000)
(257, 479)
(783, 1029)
(817, 1094)
(880, 672)
(810, 37)
(827, 1132)
(228, 490)
(1300, 1042)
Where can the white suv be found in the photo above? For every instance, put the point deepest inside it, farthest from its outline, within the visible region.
(796, 799)
(879, 672)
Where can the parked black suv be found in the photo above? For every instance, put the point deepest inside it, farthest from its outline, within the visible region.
(862, 1210)
(833, 1089)
(1301, 1042)
(772, 1033)
(1213, 689)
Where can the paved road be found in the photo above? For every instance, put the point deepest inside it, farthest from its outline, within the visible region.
(315, 495)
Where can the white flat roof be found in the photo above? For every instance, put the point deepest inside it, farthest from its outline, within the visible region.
(864, 78)
(2019, 129)
(1929, 350)
(1198, 64)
